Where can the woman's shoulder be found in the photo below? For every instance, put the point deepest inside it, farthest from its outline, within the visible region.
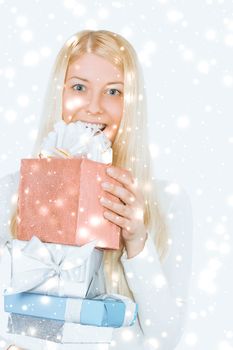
(9, 181)
(8, 186)
(8, 191)
(171, 194)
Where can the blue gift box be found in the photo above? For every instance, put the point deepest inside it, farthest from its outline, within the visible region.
(105, 312)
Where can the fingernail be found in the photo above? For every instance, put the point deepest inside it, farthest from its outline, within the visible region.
(110, 171)
(105, 185)
(103, 200)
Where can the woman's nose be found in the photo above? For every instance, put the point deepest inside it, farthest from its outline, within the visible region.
(94, 104)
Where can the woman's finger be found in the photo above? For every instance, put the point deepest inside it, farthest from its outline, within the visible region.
(120, 192)
(117, 208)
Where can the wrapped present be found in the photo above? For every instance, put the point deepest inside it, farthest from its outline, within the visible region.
(53, 269)
(59, 202)
(104, 311)
(58, 331)
(77, 139)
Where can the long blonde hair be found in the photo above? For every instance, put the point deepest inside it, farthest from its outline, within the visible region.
(130, 147)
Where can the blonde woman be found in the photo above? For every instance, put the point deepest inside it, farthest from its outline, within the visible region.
(97, 79)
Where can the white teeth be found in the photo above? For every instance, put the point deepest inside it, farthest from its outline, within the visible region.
(100, 126)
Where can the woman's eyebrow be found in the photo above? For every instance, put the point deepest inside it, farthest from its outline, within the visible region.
(112, 82)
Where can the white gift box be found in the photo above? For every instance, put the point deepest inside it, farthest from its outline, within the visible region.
(53, 269)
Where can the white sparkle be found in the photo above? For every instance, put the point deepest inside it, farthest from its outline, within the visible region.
(193, 315)
(211, 245)
(167, 150)
(24, 307)
(32, 330)
(73, 103)
(95, 221)
(23, 100)
(26, 35)
(228, 23)
(210, 34)
(203, 67)
(45, 300)
(159, 281)
(45, 51)
(129, 274)
(228, 40)
(227, 80)
(178, 258)
(103, 13)
(31, 58)
(117, 4)
(92, 24)
(59, 202)
(43, 210)
(21, 21)
(26, 191)
(33, 134)
(183, 122)
(10, 116)
(127, 334)
(208, 275)
(153, 342)
(173, 188)
(3, 344)
(199, 191)
(9, 73)
(154, 150)
(127, 31)
(229, 334)
(164, 334)
(191, 339)
(187, 55)
(208, 108)
(220, 229)
(224, 248)
(224, 345)
(174, 16)
(83, 232)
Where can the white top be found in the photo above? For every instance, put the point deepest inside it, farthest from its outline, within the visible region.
(161, 290)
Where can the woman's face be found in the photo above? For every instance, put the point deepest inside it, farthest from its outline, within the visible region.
(93, 92)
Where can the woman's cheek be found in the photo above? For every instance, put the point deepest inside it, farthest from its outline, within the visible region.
(71, 104)
(115, 108)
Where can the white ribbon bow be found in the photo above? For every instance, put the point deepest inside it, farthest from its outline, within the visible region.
(68, 266)
(77, 139)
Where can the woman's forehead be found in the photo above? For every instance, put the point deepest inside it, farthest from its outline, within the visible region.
(90, 66)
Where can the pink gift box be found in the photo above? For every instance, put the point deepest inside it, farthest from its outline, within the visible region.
(59, 202)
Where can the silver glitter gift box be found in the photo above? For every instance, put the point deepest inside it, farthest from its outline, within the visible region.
(58, 331)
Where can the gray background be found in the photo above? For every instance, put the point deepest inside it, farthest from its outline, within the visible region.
(185, 48)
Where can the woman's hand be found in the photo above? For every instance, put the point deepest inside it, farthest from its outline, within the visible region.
(129, 215)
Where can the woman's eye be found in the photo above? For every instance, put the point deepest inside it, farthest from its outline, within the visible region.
(112, 92)
(79, 87)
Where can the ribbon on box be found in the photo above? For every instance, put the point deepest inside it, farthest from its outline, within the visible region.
(69, 266)
(76, 310)
(131, 308)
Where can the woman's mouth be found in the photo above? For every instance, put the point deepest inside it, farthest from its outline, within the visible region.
(98, 125)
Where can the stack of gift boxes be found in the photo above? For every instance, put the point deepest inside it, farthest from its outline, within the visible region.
(57, 258)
